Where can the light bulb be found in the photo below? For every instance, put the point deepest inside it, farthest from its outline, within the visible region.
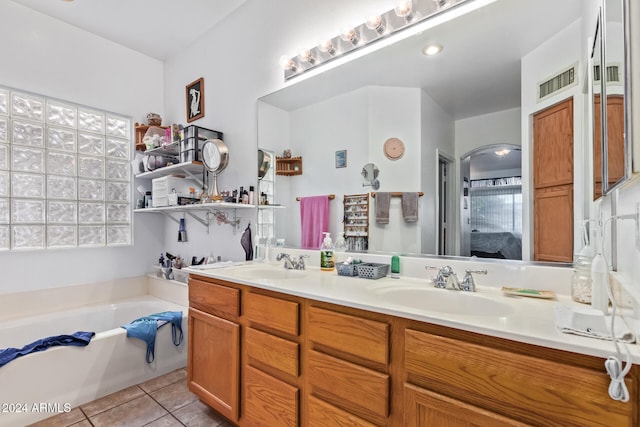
(432, 49)
(376, 23)
(306, 56)
(288, 64)
(404, 9)
(350, 35)
(326, 46)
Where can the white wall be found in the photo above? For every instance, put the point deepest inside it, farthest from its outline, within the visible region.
(554, 55)
(48, 57)
(395, 112)
(501, 127)
(365, 118)
(437, 135)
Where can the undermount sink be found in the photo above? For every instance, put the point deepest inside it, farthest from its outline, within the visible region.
(270, 273)
(445, 301)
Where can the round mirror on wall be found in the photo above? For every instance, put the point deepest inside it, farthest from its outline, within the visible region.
(215, 156)
(370, 174)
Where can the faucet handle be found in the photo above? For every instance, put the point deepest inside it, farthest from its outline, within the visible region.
(301, 258)
(440, 281)
(468, 284)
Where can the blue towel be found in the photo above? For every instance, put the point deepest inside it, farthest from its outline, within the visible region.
(78, 339)
(145, 329)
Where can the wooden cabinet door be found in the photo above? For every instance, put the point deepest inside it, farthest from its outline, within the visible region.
(553, 146)
(423, 408)
(553, 224)
(213, 365)
(553, 183)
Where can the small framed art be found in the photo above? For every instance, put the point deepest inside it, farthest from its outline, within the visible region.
(341, 159)
(195, 100)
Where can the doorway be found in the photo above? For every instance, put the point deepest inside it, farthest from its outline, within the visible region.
(445, 207)
(491, 202)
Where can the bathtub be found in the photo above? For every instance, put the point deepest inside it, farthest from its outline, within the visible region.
(42, 384)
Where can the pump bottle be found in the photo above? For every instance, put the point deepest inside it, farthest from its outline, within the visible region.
(326, 253)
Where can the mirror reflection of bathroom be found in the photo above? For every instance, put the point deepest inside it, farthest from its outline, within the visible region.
(370, 174)
(266, 197)
(491, 202)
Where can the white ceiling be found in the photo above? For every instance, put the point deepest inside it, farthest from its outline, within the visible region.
(158, 28)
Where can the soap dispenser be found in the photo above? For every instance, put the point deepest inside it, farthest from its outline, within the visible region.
(326, 253)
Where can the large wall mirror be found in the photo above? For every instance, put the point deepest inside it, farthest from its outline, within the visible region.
(616, 148)
(482, 90)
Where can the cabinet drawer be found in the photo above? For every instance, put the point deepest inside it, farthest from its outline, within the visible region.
(274, 313)
(214, 299)
(425, 408)
(275, 352)
(516, 385)
(322, 414)
(368, 339)
(351, 387)
(269, 402)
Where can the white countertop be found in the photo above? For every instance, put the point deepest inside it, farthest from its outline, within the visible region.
(522, 319)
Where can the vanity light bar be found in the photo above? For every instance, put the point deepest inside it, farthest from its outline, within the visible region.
(405, 14)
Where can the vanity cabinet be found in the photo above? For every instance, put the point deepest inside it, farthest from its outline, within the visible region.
(263, 358)
(213, 360)
(497, 382)
(271, 393)
(348, 365)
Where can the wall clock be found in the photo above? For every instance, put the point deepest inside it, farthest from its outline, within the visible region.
(393, 148)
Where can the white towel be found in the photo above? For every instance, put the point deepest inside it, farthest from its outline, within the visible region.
(589, 322)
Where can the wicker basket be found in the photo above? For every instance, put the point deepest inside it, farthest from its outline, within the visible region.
(346, 269)
(370, 270)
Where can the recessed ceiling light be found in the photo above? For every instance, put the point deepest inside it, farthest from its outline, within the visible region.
(503, 152)
(432, 49)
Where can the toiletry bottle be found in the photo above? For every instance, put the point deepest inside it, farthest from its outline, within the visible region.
(339, 248)
(581, 281)
(251, 191)
(326, 253)
(395, 267)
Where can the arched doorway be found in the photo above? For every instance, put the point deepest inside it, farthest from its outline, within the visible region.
(491, 202)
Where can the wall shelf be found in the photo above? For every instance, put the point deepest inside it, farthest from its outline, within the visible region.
(288, 166)
(204, 213)
(140, 131)
(192, 170)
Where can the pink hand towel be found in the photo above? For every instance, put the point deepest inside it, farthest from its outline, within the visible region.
(314, 219)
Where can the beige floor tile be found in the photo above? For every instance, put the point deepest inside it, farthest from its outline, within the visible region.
(64, 419)
(197, 414)
(135, 413)
(166, 421)
(111, 400)
(174, 396)
(84, 423)
(164, 380)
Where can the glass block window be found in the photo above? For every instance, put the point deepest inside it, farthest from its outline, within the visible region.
(65, 178)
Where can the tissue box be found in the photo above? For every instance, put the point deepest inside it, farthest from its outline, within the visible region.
(162, 190)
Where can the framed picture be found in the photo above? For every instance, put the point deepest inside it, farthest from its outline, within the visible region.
(195, 100)
(341, 159)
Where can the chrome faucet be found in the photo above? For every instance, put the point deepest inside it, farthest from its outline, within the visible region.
(292, 264)
(447, 279)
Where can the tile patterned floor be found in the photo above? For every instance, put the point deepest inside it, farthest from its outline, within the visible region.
(161, 402)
